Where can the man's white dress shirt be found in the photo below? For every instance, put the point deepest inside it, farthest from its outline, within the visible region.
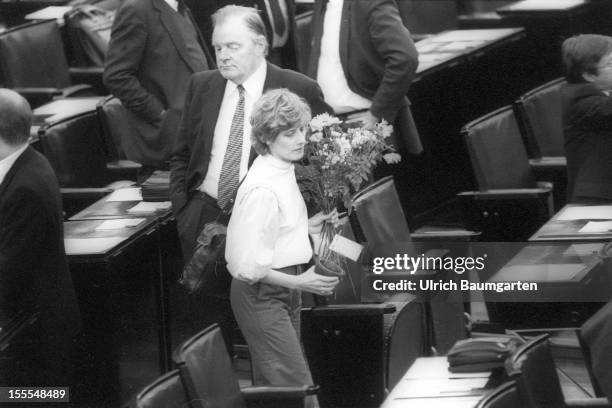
(253, 88)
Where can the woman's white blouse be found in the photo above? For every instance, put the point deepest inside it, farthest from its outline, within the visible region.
(268, 228)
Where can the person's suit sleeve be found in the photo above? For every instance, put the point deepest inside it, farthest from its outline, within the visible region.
(24, 226)
(124, 59)
(592, 108)
(314, 97)
(393, 42)
(181, 154)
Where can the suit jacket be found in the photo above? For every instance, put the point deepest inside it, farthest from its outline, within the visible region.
(33, 270)
(587, 126)
(379, 60)
(147, 68)
(202, 10)
(191, 155)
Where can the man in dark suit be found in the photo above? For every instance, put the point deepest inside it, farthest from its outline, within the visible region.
(217, 106)
(587, 118)
(278, 17)
(364, 60)
(155, 47)
(34, 276)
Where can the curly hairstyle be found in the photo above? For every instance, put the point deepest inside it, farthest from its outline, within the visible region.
(277, 111)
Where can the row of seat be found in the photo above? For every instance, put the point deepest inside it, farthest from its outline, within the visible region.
(33, 62)
(517, 156)
(85, 152)
(534, 381)
(205, 378)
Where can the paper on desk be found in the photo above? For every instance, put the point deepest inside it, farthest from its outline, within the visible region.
(531, 5)
(596, 227)
(586, 212)
(538, 273)
(87, 246)
(455, 402)
(456, 46)
(346, 247)
(437, 367)
(583, 250)
(126, 194)
(119, 223)
(443, 387)
(49, 13)
(146, 207)
(491, 34)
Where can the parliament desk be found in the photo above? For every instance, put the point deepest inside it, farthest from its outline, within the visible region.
(573, 282)
(118, 264)
(12, 12)
(578, 223)
(429, 384)
(60, 109)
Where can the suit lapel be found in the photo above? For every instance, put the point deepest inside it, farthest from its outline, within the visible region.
(274, 77)
(344, 33)
(317, 33)
(167, 21)
(212, 103)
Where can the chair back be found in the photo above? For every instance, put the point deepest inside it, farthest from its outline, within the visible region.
(498, 157)
(166, 391)
(540, 113)
(206, 371)
(32, 55)
(504, 396)
(379, 215)
(73, 145)
(533, 369)
(115, 126)
(594, 338)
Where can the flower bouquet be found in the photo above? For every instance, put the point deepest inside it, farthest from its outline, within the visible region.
(341, 158)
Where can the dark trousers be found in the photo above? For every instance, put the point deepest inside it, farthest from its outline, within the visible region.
(206, 307)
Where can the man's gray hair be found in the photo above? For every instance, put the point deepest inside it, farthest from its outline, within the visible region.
(249, 15)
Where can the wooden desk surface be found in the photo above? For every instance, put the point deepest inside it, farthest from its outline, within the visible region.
(568, 224)
(450, 47)
(429, 384)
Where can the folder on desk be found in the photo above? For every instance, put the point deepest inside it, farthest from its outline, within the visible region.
(586, 212)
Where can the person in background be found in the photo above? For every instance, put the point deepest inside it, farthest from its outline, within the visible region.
(155, 47)
(213, 149)
(34, 275)
(278, 17)
(267, 244)
(364, 59)
(587, 118)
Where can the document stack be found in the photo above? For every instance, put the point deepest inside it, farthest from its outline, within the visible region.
(157, 187)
